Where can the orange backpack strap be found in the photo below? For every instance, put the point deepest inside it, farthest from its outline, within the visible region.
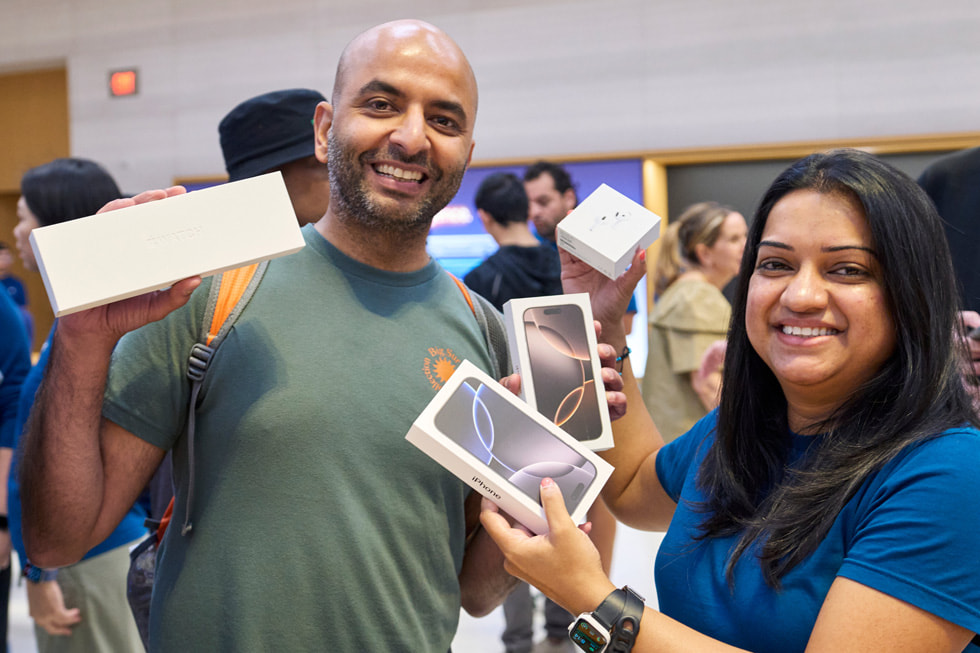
(165, 520)
(231, 287)
(463, 289)
(230, 293)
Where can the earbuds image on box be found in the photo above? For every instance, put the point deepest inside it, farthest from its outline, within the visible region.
(499, 446)
(605, 229)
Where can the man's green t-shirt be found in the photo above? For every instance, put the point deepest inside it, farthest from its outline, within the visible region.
(316, 525)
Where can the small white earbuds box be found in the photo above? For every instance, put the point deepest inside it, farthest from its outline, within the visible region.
(502, 448)
(605, 229)
(118, 254)
(553, 347)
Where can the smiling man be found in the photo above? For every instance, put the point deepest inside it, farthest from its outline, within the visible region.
(316, 525)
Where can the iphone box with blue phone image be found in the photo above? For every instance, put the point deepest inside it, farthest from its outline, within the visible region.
(499, 446)
(605, 229)
(553, 347)
(118, 254)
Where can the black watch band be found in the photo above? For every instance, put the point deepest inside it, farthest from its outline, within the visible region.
(621, 606)
(627, 627)
(610, 609)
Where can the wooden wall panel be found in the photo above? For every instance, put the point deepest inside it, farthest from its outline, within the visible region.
(33, 129)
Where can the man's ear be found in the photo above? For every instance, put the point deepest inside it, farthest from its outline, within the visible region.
(322, 119)
(485, 219)
(569, 198)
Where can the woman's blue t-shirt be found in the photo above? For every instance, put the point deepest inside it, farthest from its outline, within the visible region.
(912, 531)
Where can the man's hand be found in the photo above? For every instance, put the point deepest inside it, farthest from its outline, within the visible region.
(104, 325)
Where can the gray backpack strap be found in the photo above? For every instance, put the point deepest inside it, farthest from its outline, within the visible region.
(492, 325)
(200, 359)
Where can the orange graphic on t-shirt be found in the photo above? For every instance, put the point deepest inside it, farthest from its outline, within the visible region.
(439, 365)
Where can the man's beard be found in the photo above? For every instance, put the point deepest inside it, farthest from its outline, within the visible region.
(349, 190)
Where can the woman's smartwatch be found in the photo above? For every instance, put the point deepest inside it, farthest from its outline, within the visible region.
(612, 627)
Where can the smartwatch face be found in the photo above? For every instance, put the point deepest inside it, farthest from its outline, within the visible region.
(561, 369)
(512, 444)
(587, 637)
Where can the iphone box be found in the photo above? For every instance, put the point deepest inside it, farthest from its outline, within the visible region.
(553, 347)
(495, 443)
(605, 230)
(118, 254)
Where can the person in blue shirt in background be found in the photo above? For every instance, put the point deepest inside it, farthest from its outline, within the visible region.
(81, 607)
(15, 361)
(15, 289)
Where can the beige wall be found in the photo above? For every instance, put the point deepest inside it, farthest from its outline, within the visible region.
(556, 77)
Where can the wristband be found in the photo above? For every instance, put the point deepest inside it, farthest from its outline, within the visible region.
(613, 626)
(627, 627)
(4, 523)
(622, 356)
(37, 575)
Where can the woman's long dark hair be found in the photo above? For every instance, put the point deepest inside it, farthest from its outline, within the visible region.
(67, 189)
(916, 394)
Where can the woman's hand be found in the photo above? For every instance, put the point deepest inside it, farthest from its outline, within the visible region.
(609, 297)
(563, 564)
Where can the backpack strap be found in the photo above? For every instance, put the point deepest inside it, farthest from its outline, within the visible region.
(230, 293)
(491, 326)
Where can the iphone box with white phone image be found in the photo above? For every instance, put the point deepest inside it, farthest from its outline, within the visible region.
(553, 347)
(118, 254)
(605, 229)
(502, 448)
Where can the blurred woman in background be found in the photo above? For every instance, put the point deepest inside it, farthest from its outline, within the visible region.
(699, 254)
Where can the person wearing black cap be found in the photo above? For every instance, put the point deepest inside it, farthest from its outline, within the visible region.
(274, 131)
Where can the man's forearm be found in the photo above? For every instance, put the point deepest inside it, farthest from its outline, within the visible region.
(483, 582)
(61, 469)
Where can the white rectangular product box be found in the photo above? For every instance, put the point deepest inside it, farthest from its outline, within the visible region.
(605, 230)
(118, 254)
(553, 347)
(502, 448)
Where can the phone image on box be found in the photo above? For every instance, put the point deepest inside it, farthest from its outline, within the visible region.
(561, 369)
(512, 444)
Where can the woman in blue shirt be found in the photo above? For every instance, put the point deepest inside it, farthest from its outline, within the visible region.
(830, 502)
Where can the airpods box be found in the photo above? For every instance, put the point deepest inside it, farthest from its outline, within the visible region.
(118, 254)
(553, 347)
(605, 230)
(499, 446)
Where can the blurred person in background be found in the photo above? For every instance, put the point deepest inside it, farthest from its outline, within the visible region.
(699, 254)
(15, 361)
(274, 131)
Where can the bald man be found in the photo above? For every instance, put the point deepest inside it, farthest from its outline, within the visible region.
(315, 525)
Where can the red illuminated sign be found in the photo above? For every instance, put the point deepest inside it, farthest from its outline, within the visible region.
(123, 82)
